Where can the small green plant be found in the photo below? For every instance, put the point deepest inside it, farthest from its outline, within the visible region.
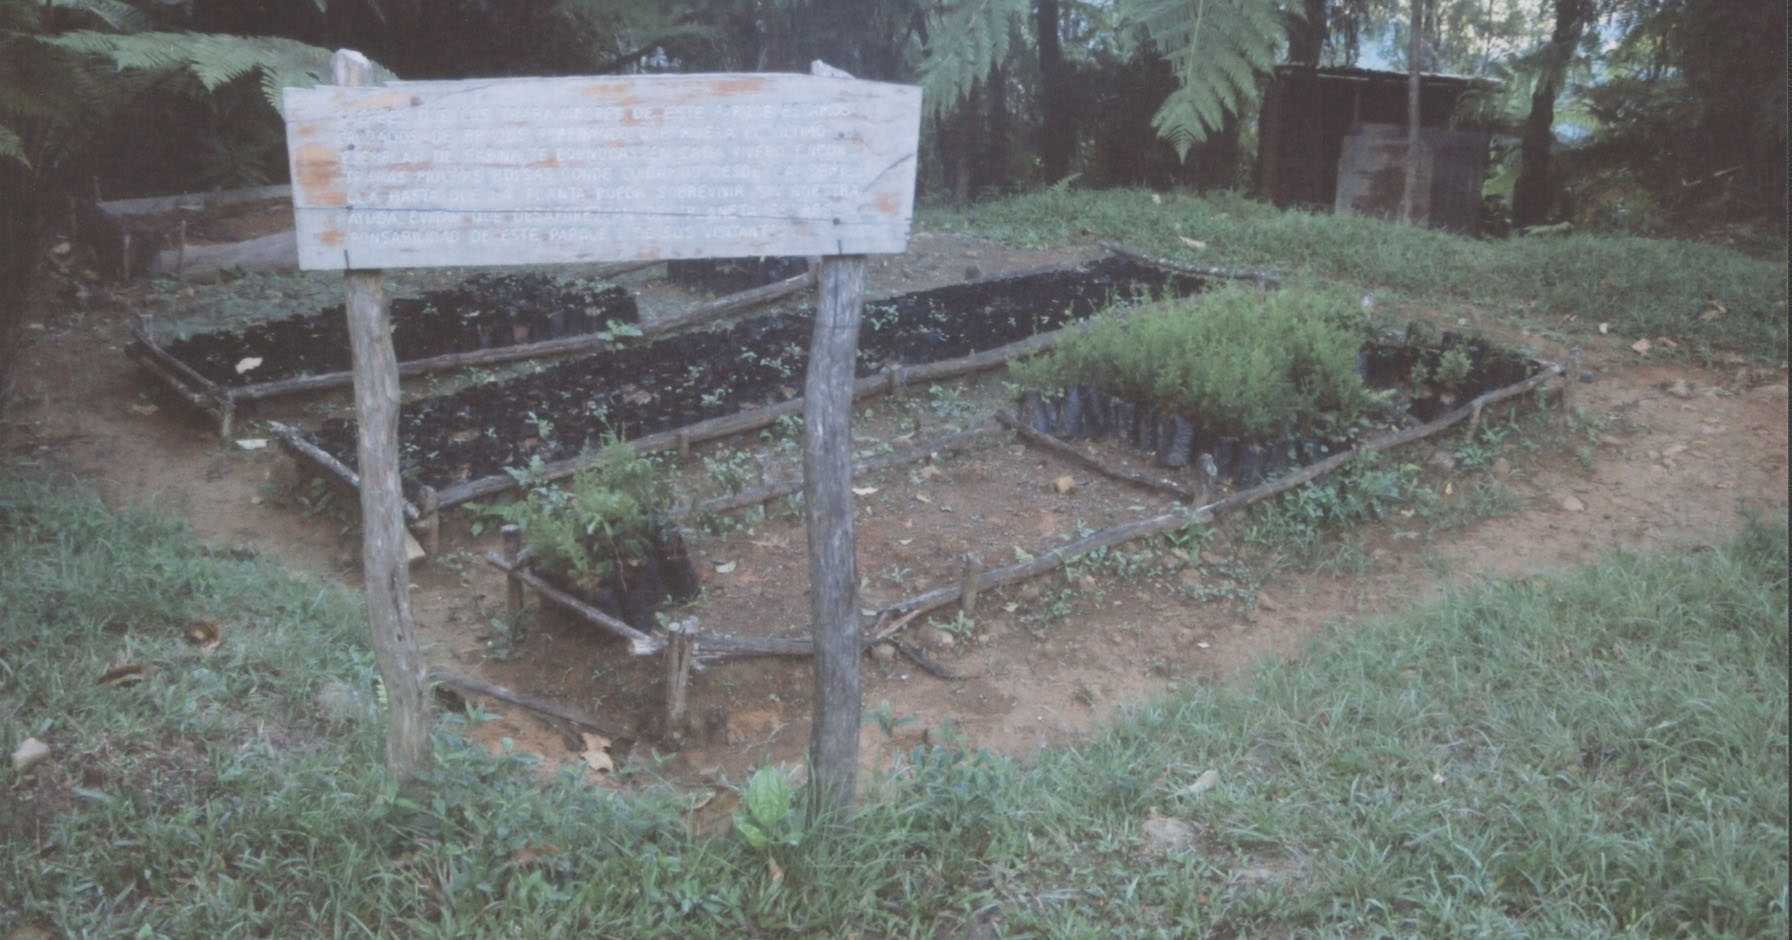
(1453, 366)
(602, 514)
(768, 820)
(1252, 364)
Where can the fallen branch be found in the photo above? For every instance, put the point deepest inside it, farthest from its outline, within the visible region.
(1266, 278)
(1124, 474)
(583, 719)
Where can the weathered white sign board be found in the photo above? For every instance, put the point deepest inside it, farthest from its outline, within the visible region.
(558, 170)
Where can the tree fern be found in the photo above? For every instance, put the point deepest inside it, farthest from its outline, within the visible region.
(213, 59)
(1216, 48)
(966, 38)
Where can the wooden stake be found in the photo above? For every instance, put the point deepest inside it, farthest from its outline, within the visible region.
(967, 595)
(827, 509)
(513, 594)
(679, 645)
(383, 564)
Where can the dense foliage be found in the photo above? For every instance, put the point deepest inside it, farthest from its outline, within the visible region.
(1255, 364)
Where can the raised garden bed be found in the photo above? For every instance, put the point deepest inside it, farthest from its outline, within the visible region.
(483, 320)
(194, 234)
(696, 386)
(1211, 453)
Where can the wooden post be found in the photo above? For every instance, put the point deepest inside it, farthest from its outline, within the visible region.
(967, 599)
(679, 642)
(383, 563)
(513, 550)
(833, 564)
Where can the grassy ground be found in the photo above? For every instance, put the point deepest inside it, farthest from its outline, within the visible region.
(1640, 287)
(1602, 755)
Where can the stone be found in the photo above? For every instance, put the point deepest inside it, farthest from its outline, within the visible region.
(1680, 388)
(1568, 502)
(1441, 460)
(1167, 833)
(29, 752)
(1064, 484)
(883, 653)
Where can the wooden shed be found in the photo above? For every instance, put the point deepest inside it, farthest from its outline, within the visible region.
(1335, 137)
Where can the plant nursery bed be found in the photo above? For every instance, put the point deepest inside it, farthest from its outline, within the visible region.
(700, 385)
(483, 319)
(1210, 454)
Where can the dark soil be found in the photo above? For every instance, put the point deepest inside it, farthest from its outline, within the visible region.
(1194, 443)
(573, 406)
(482, 312)
(732, 275)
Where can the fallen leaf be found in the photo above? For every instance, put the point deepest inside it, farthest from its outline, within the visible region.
(1664, 341)
(1642, 345)
(138, 408)
(121, 675)
(1204, 782)
(863, 490)
(1713, 310)
(930, 471)
(529, 854)
(724, 567)
(205, 634)
(1192, 243)
(252, 443)
(1065, 483)
(29, 752)
(1604, 328)
(595, 755)
(246, 363)
(776, 870)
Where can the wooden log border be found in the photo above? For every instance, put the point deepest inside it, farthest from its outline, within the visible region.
(221, 401)
(893, 618)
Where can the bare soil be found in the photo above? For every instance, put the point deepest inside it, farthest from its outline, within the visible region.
(1666, 458)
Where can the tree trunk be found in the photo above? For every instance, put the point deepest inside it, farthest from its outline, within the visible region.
(1306, 35)
(1057, 127)
(1531, 193)
(1408, 193)
(994, 177)
(833, 560)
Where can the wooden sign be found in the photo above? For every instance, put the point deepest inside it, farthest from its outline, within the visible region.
(559, 170)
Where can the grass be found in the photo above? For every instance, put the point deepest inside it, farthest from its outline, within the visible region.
(1641, 287)
(1600, 755)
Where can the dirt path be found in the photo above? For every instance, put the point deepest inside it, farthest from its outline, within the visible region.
(1666, 458)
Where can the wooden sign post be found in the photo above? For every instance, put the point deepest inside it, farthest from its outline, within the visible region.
(610, 168)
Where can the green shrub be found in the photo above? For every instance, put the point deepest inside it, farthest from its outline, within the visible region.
(1252, 364)
(603, 513)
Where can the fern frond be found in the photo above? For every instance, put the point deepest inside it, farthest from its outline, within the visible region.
(966, 38)
(213, 59)
(1216, 48)
(116, 14)
(12, 147)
